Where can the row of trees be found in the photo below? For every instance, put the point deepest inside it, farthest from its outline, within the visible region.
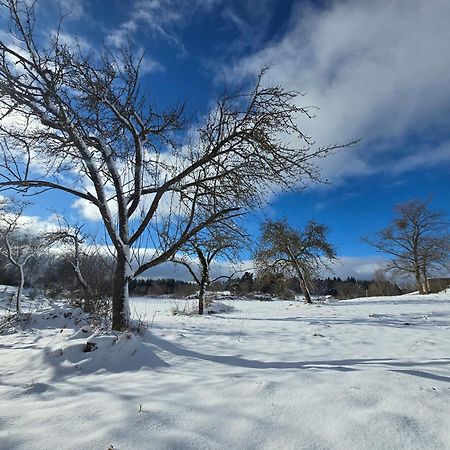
(279, 285)
(283, 251)
(287, 261)
(417, 243)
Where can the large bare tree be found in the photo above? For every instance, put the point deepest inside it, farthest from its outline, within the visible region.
(301, 253)
(80, 124)
(417, 241)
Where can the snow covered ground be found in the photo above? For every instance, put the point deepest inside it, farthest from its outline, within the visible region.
(359, 374)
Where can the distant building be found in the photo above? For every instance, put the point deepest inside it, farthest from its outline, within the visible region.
(438, 284)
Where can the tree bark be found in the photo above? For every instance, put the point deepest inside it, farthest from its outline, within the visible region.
(121, 309)
(204, 280)
(201, 297)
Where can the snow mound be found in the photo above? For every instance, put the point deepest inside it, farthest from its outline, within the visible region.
(219, 307)
(59, 315)
(104, 353)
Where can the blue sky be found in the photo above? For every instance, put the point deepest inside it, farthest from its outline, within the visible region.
(376, 70)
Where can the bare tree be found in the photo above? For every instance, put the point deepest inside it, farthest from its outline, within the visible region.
(418, 242)
(294, 252)
(381, 285)
(221, 241)
(72, 238)
(85, 116)
(18, 245)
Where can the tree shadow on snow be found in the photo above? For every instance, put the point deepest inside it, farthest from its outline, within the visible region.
(394, 301)
(343, 365)
(418, 320)
(422, 374)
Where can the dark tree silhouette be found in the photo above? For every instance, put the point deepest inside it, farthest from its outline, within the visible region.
(294, 252)
(418, 241)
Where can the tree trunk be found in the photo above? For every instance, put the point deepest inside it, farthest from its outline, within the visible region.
(301, 277)
(304, 288)
(204, 280)
(121, 308)
(419, 280)
(89, 302)
(201, 296)
(19, 291)
(76, 267)
(426, 282)
(302, 282)
(82, 282)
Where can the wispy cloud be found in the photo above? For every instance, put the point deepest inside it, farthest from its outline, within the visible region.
(70, 9)
(376, 70)
(157, 17)
(249, 20)
(165, 18)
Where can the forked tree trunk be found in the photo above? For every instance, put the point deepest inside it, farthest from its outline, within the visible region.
(121, 308)
(426, 281)
(425, 286)
(418, 277)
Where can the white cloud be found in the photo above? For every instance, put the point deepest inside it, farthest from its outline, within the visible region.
(87, 210)
(34, 224)
(377, 71)
(357, 267)
(424, 157)
(348, 266)
(218, 269)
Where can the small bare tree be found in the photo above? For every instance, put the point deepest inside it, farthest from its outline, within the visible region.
(18, 244)
(72, 239)
(294, 252)
(222, 241)
(86, 117)
(418, 242)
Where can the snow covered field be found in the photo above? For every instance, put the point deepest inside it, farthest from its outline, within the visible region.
(359, 374)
